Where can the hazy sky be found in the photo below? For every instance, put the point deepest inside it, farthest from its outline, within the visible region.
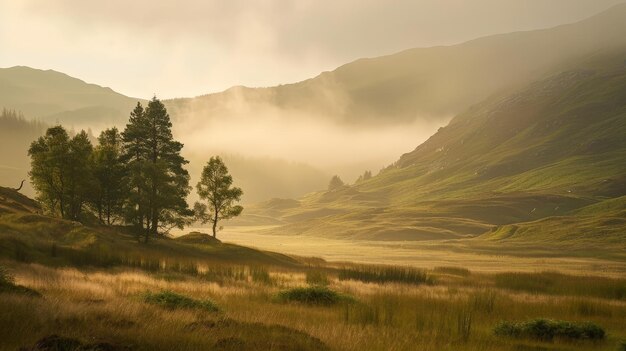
(184, 48)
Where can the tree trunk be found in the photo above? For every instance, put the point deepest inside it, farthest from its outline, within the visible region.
(215, 224)
(214, 230)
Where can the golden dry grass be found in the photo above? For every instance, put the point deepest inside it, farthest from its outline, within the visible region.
(107, 305)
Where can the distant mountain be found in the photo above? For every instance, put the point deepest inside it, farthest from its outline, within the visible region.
(52, 97)
(424, 83)
(518, 166)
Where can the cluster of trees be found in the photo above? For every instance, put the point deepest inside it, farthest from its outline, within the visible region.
(134, 177)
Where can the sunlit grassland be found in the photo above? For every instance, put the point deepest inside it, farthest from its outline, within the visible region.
(457, 311)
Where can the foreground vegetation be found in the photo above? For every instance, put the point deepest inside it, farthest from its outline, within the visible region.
(455, 312)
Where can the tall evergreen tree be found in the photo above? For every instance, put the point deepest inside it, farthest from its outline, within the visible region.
(109, 172)
(157, 173)
(134, 157)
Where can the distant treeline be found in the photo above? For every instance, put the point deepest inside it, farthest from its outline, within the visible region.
(134, 177)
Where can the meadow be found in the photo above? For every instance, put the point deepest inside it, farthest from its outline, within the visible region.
(315, 305)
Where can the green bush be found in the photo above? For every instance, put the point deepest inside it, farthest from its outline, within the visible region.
(546, 329)
(173, 300)
(317, 278)
(385, 274)
(314, 295)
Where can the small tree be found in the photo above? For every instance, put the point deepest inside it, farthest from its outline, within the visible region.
(215, 186)
(335, 183)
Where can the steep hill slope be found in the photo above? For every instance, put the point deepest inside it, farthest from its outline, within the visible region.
(544, 151)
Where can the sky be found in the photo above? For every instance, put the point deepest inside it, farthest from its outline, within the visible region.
(176, 48)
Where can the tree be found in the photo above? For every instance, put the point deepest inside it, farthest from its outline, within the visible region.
(134, 157)
(365, 176)
(215, 186)
(109, 173)
(79, 179)
(159, 181)
(61, 171)
(48, 169)
(335, 183)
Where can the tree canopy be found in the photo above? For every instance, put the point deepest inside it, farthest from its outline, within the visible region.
(215, 186)
(135, 177)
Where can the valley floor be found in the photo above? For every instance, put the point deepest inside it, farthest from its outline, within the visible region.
(478, 255)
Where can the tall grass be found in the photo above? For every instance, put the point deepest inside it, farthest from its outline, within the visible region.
(460, 271)
(385, 274)
(317, 277)
(560, 284)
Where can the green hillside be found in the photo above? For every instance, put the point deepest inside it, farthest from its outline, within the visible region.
(545, 163)
(28, 236)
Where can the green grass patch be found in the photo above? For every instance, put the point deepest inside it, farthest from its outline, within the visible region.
(173, 300)
(313, 295)
(385, 274)
(546, 330)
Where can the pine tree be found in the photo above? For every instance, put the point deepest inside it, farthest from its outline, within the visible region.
(335, 183)
(159, 181)
(134, 157)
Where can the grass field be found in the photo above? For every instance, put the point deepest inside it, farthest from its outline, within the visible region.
(163, 310)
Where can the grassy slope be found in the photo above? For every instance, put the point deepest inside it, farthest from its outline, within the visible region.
(27, 235)
(543, 152)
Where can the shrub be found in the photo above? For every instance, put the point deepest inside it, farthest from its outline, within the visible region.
(546, 329)
(385, 274)
(314, 295)
(173, 300)
(317, 278)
